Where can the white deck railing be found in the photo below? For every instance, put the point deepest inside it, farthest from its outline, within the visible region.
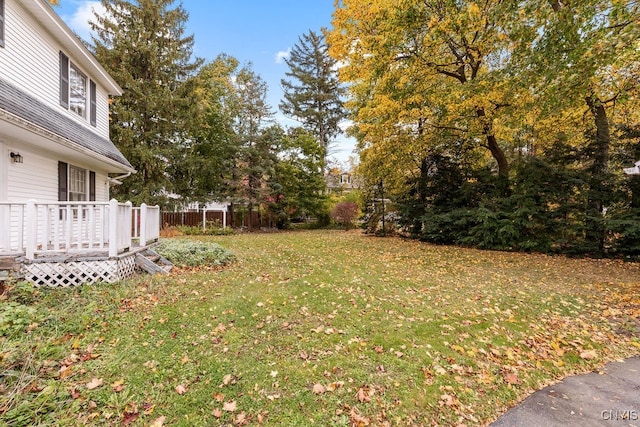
(74, 227)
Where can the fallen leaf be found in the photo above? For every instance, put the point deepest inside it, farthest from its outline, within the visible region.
(512, 378)
(447, 400)
(94, 383)
(229, 406)
(319, 389)
(228, 379)
(241, 419)
(357, 419)
(148, 408)
(219, 397)
(65, 371)
(158, 422)
(364, 394)
(180, 389)
(118, 386)
(129, 417)
(335, 385)
(588, 354)
(458, 348)
(217, 413)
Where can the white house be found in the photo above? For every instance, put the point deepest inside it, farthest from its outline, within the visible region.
(635, 170)
(58, 226)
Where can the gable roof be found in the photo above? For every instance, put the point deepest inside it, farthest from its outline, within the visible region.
(24, 106)
(49, 19)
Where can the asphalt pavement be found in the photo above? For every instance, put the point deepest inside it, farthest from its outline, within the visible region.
(608, 397)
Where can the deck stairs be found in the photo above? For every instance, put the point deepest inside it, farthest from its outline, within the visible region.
(152, 262)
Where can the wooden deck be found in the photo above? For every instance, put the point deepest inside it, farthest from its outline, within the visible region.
(65, 269)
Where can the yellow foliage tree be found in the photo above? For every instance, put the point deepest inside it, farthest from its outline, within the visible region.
(423, 75)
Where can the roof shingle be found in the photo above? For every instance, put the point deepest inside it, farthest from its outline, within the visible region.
(25, 106)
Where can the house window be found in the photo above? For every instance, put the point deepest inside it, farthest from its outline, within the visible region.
(75, 184)
(1, 23)
(77, 91)
(74, 87)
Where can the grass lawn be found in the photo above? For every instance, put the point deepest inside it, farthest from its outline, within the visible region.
(318, 328)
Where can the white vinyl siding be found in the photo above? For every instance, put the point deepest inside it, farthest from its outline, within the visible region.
(37, 177)
(30, 60)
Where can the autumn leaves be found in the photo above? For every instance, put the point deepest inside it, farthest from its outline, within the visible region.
(325, 327)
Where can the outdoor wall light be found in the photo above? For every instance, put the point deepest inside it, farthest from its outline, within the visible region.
(16, 157)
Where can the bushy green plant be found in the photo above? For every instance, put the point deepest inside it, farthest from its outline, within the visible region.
(211, 229)
(15, 317)
(193, 253)
(16, 313)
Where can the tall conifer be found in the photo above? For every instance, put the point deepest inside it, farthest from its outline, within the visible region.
(312, 93)
(142, 45)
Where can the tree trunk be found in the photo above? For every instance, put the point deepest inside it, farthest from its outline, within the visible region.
(492, 144)
(597, 189)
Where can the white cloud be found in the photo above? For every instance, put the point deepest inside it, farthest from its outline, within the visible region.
(282, 55)
(79, 21)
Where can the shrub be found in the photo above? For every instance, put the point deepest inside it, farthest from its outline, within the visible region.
(193, 253)
(345, 213)
(212, 229)
(16, 312)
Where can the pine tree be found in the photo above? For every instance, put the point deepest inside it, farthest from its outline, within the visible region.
(256, 154)
(313, 94)
(141, 44)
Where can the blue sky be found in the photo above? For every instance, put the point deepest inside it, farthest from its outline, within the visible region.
(257, 31)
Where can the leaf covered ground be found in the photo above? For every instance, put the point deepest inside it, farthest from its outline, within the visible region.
(319, 328)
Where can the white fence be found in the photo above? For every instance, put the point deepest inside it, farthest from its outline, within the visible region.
(73, 227)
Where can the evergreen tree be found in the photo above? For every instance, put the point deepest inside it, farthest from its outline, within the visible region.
(249, 180)
(313, 94)
(142, 45)
(298, 183)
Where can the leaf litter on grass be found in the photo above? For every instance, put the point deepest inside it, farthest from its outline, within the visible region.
(358, 330)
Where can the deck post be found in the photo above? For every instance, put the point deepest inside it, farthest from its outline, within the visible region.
(224, 218)
(204, 220)
(31, 223)
(143, 224)
(113, 228)
(128, 224)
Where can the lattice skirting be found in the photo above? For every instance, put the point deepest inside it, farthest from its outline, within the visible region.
(74, 273)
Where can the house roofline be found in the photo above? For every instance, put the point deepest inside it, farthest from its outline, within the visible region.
(42, 11)
(39, 130)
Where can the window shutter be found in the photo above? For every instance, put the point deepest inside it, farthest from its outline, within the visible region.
(63, 194)
(92, 186)
(92, 102)
(64, 80)
(1, 23)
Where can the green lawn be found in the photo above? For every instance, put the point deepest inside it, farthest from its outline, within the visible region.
(319, 328)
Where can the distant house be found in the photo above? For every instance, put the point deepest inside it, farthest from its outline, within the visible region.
(58, 226)
(340, 182)
(635, 170)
